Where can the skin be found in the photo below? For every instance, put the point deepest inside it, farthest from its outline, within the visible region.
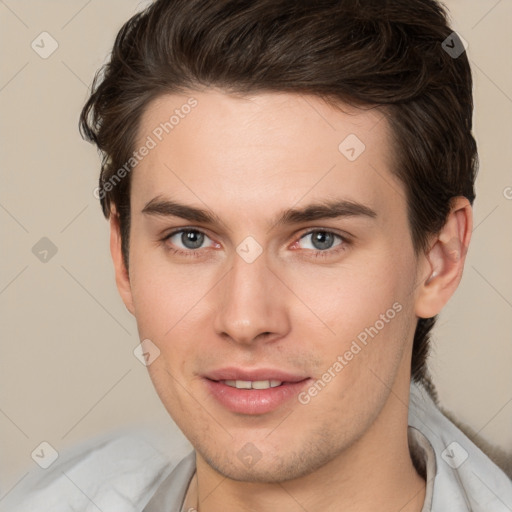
(247, 160)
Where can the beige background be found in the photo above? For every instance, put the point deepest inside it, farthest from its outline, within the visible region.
(67, 371)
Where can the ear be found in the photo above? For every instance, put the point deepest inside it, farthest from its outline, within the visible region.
(122, 276)
(443, 264)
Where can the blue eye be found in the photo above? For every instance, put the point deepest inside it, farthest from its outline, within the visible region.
(324, 244)
(191, 239)
(323, 240)
(188, 242)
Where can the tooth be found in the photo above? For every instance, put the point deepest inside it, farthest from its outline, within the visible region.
(260, 384)
(256, 384)
(243, 384)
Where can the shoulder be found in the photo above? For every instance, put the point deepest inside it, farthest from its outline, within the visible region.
(464, 477)
(115, 471)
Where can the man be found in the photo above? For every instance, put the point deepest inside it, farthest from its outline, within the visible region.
(289, 188)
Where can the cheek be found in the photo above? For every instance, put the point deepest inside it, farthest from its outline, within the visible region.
(164, 294)
(370, 317)
(167, 301)
(347, 299)
(170, 308)
(368, 311)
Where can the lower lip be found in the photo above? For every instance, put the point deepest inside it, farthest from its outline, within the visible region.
(254, 401)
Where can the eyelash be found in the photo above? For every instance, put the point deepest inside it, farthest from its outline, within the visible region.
(317, 253)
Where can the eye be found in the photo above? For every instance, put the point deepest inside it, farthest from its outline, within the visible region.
(322, 240)
(189, 241)
(322, 243)
(186, 240)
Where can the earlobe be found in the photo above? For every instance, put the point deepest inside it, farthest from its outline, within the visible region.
(445, 260)
(121, 272)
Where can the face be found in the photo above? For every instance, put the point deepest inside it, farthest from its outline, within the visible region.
(282, 327)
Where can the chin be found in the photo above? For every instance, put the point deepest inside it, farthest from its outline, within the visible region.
(272, 467)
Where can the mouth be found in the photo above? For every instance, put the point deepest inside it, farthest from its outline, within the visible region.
(253, 392)
(255, 384)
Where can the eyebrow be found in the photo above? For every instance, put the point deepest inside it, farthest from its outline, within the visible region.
(322, 210)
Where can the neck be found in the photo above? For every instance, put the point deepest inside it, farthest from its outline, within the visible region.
(374, 473)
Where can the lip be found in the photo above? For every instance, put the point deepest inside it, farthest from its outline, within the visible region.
(233, 373)
(253, 401)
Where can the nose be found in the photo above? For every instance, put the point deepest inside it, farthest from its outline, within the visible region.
(251, 303)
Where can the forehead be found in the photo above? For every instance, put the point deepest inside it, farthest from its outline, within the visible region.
(258, 119)
(262, 151)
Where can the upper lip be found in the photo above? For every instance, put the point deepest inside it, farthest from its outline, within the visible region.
(255, 374)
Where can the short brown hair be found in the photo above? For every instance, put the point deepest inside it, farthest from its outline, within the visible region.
(391, 55)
